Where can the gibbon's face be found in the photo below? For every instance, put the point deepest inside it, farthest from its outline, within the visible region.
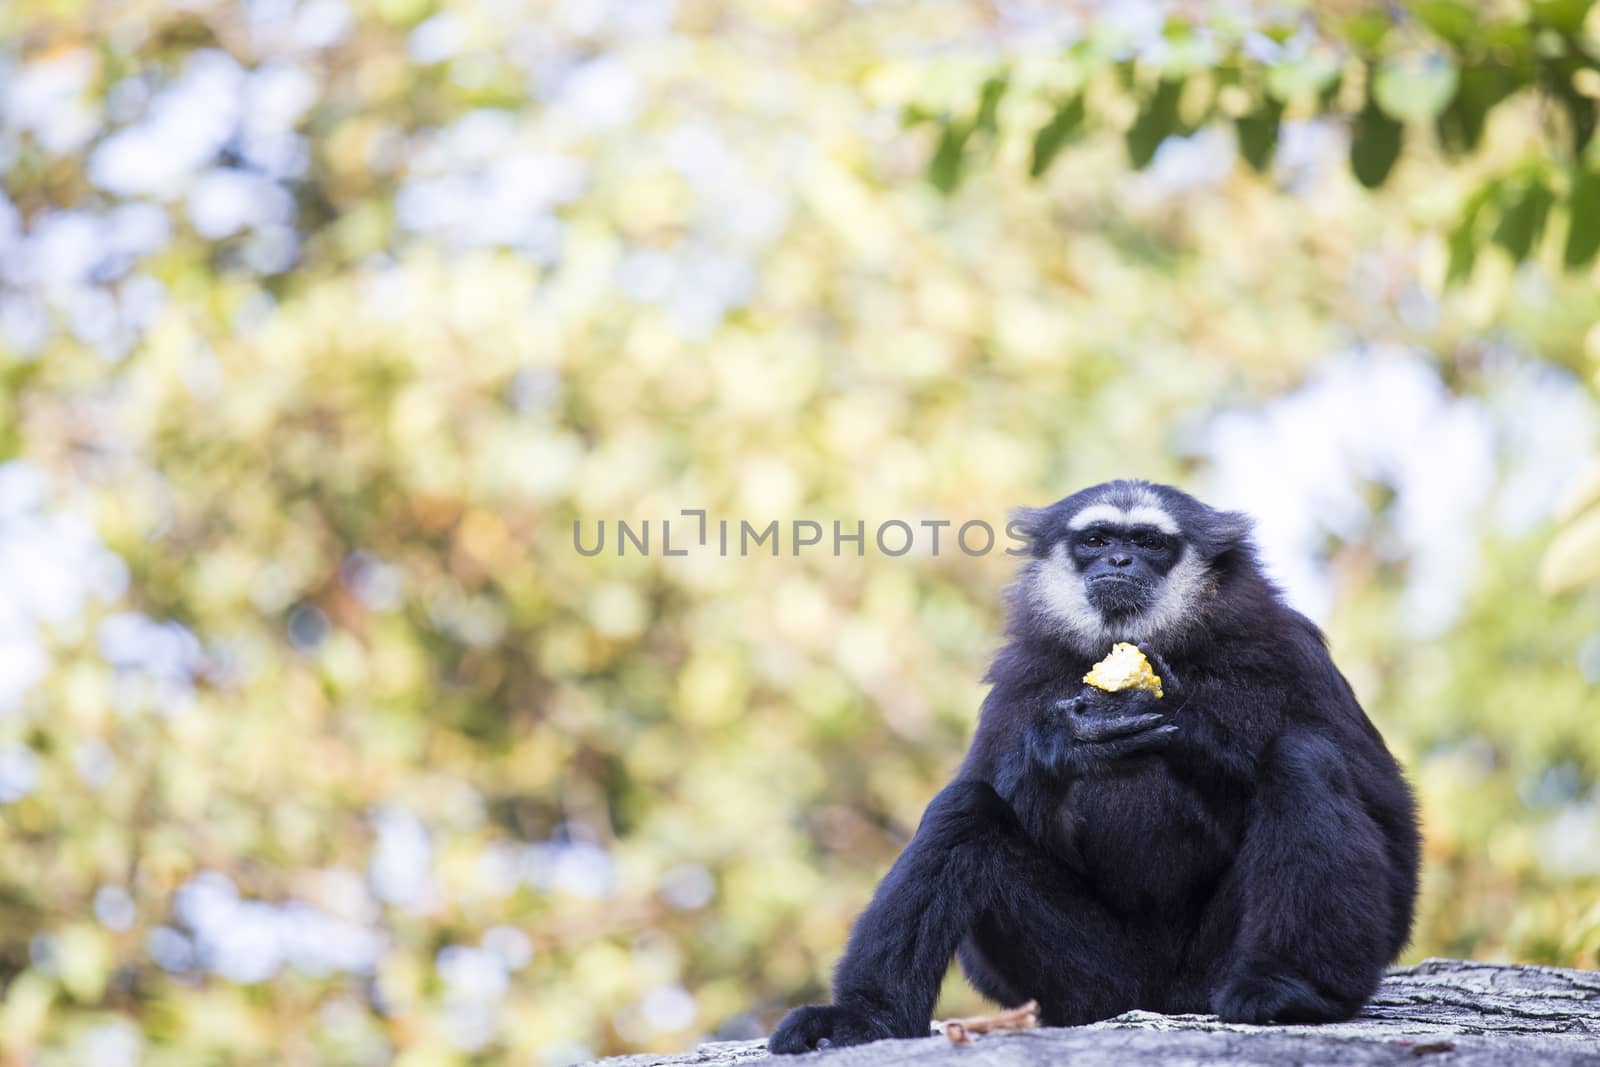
(1115, 570)
(1122, 557)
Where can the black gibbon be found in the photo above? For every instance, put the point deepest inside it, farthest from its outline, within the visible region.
(1244, 844)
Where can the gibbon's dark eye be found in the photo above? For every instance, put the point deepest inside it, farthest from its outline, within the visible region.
(1147, 541)
(1094, 541)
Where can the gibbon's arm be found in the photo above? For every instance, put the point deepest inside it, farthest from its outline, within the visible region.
(1315, 878)
(900, 947)
(969, 857)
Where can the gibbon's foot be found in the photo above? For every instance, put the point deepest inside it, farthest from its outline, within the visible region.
(1261, 999)
(820, 1026)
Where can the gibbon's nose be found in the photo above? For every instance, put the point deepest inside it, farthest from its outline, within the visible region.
(1120, 560)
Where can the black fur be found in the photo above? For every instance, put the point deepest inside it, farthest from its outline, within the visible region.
(1245, 845)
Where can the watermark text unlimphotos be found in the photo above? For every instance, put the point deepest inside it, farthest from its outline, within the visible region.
(692, 531)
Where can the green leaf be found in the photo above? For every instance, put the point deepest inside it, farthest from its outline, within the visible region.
(1055, 134)
(1455, 22)
(1258, 134)
(1523, 211)
(1583, 228)
(1564, 16)
(1312, 73)
(1415, 87)
(944, 170)
(949, 157)
(1366, 29)
(1481, 88)
(1187, 53)
(989, 101)
(1329, 92)
(1580, 112)
(1463, 245)
(1157, 120)
(1374, 145)
(1513, 37)
(1463, 240)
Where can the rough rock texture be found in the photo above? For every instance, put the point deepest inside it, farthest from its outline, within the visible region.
(1446, 1012)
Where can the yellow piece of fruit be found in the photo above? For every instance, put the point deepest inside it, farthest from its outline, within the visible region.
(1125, 668)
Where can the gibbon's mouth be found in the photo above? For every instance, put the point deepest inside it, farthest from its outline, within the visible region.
(1120, 579)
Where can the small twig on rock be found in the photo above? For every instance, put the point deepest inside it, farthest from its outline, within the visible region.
(960, 1031)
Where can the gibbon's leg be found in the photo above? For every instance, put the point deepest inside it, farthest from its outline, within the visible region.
(1064, 950)
(1313, 885)
(969, 860)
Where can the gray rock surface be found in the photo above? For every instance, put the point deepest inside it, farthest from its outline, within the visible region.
(1443, 1012)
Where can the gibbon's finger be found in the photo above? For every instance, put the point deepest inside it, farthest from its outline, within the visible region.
(1097, 703)
(1114, 727)
(1169, 677)
(1138, 744)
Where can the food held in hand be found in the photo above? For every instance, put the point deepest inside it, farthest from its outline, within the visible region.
(1125, 668)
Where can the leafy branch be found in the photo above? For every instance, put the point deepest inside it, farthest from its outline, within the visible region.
(1392, 74)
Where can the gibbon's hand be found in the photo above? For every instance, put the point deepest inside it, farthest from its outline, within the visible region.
(1136, 719)
(1171, 687)
(1113, 725)
(1076, 736)
(820, 1026)
(1095, 717)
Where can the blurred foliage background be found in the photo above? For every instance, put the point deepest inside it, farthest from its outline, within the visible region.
(322, 322)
